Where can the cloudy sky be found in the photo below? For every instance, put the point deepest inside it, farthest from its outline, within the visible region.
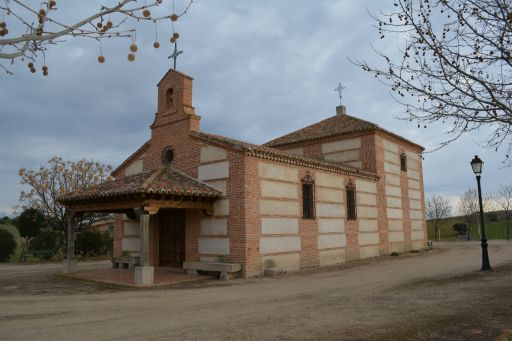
(261, 69)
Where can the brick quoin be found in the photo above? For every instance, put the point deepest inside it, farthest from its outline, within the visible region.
(176, 125)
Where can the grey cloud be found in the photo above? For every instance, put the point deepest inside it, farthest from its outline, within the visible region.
(261, 69)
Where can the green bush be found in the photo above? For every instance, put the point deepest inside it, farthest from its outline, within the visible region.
(7, 245)
(47, 240)
(108, 244)
(461, 228)
(92, 243)
(492, 216)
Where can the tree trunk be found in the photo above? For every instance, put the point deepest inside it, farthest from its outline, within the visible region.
(23, 250)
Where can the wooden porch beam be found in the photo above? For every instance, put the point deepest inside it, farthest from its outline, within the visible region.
(158, 204)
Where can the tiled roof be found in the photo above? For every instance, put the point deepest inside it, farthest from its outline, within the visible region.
(163, 181)
(341, 124)
(282, 156)
(332, 126)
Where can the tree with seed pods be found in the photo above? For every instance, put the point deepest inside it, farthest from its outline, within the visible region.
(454, 66)
(27, 32)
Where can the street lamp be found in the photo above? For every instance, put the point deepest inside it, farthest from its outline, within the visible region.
(477, 166)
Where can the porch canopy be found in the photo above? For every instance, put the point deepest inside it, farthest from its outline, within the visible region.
(140, 194)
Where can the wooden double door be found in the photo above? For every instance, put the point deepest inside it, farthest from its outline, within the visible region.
(172, 237)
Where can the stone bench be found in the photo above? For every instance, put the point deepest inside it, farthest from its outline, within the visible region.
(125, 262)
(227, 270)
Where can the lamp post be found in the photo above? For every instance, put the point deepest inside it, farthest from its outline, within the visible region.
(477, 166)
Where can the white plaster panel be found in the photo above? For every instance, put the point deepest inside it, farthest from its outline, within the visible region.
(214, 227)
(395, 237)
(135, 167)
(412, 165)
(393, 179)
(214, 246)
(391, 168)
(330, 210)
(212, 153)
(368, 252)
(356, 164)
(413, 184)
(337, 146)
(394, 202)
(221, 207)
(414, 194)
(277, 172)
(366, 186)
(331, 241)
(396, 247)
(276, 189)
(390, 146)
(392, 157)
(331, 225)
(329, 195)
(328, 180)
(368, 238)
(368, 225)
(209, 258)
(412, 155)
(367, 212)
(290, 262)
(415, 204)
(331, 257)
(279, 244)
(279, 226)
(366, 199)
(221, 185)
(395, 225)
(413, 174)
(131, 228)
(417, 225)
(349, 155)
(415, 215)
(395, 213)
(217, 170)
(393, 190)
(279, 207)
(417, 235)
(130, 244)
(418, 245)
(296, 151)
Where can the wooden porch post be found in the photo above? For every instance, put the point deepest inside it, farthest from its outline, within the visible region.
(144, 274)
(69, 264)
(144, 238)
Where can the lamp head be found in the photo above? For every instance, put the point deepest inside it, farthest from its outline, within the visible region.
(477, 165)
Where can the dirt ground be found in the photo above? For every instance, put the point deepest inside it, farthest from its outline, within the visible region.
(438, 295)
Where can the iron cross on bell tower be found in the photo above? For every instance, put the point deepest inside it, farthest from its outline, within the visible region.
(339, 90)
(175, 54)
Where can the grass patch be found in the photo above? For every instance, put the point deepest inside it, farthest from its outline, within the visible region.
(494, 230)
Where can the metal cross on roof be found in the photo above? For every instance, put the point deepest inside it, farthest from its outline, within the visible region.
(339, 90)
(175, 54)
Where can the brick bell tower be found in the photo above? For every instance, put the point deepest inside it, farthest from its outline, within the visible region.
(175, 118)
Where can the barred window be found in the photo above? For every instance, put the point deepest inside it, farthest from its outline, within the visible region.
(308, 200)
(351, 203)
(403, 162)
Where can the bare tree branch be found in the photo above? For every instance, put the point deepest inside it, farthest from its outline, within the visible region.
(437, 209)
(454, 67)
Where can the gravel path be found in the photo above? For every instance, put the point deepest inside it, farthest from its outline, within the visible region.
(430, 296)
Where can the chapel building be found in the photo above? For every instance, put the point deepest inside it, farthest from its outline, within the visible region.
(338, 190)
